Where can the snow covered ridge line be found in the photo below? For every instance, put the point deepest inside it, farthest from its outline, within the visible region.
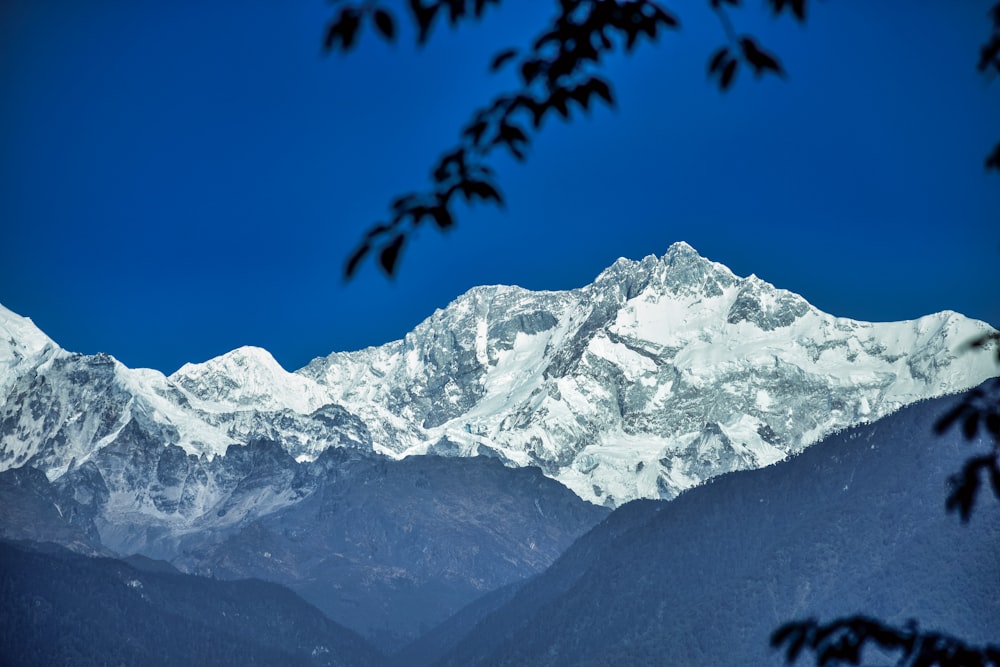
(660, 374)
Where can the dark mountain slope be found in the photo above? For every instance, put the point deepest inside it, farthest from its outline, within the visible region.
(387, 548)
(392, 548)
(30, 509)
(854, 524)
(435, 644)
(63, 608)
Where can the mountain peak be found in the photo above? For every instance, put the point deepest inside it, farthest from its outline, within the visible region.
(248, 375)
(681, 249)
(21, 332)
(663, 372)
(22, 346)
(242, 361)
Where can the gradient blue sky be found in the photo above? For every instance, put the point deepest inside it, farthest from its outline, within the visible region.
(178, 179)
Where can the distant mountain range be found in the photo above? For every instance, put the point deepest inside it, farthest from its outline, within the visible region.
(657, 376)
(392, 486)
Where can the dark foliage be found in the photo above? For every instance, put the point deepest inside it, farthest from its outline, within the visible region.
(558, 72)
(843, 642)
(989, 63)
(975, 409)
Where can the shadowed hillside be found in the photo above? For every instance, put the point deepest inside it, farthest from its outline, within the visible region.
(854, 524)
(63, 608)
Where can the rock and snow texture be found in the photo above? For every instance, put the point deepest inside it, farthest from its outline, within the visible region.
(660, 374)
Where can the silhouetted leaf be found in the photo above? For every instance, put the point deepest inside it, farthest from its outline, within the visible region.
(728, 72)
(993, 162)
(537, 112)
(424, 16)
(791, 633)
(648, 26)
(717, 59)
(605, 41)
(530, 69)
(501, 58)
(842, 640)
(965, 486)
(553, 36)
(341, 32)
(512, 136)
(760, 60)
(475, 131)
(481, 6)
(403, 202)
(355, 259)
(601, 89)
(995, 477)
(666, 18)
(558, 102)
(631, 36)
(377, 230)
(456, 10)
(794, 634)
(512, 133)
(581, 95)
(970, 427)
(450, 164)
(442, 217)
(949, 418)
(798, 7)
(389, 255)
(385, 24)
(989, 54)
(472, 189)
(992, 422)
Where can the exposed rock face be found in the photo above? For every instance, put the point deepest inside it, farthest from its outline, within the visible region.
(656, 377)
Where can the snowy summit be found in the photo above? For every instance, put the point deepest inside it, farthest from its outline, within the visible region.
(660, 374)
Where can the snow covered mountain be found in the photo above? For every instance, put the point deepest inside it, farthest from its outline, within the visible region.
(660, 374)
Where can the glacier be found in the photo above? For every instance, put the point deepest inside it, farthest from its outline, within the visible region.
(657, 376)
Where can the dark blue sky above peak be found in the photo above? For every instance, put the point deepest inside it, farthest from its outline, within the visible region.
(178, 179)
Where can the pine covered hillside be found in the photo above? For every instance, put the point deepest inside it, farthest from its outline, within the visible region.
(387, 548)
(855, 524)
(64, 608)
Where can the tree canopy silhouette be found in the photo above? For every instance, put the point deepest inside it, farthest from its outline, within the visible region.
(559, 71)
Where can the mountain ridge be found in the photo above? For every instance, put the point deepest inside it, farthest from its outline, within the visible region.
(660, 374)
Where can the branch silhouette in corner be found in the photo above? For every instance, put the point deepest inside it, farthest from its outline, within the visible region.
(559, 74)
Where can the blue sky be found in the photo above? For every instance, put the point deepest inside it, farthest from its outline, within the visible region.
(178, 180)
